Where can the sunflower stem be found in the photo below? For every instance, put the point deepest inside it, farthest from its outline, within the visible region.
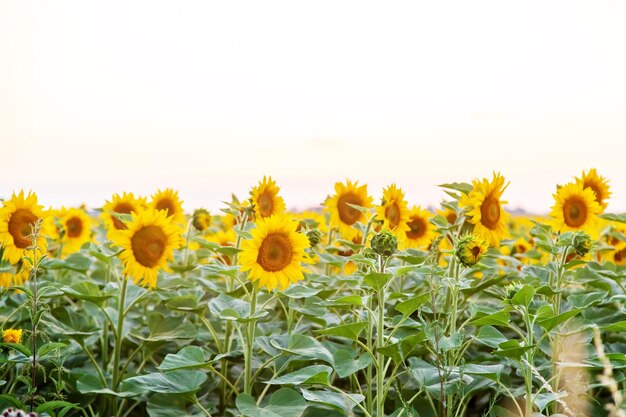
(250, 341)
(380, 342)
(118, 335)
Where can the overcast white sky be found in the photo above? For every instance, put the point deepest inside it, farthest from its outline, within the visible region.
(207, 97)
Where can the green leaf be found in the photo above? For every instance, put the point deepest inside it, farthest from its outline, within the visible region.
(314, 374)
(585, 300)
(490, 336)
(619, 327)
(53, 405)
(17, 346)
(229, 308)
(501, 318)
(49, 347)
(411, 305)
(349, 331)
(620, 218)
(342, 402)
(512, 349)
(218, 269)
(489, 371)
(175, 382)
(189, 357)
(283, 403)
(345, 363)
(163, 330)
(86, 290)
(524, 296)
(462, 187)
(400, 350)
(550, 323)
(376, 280)
(91, 384)
(300, 291)
(308, 347)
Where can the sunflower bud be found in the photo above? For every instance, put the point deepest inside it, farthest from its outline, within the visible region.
(201, 219)
(582, 243)
(384, 243)
(315, 236)
(470, 249)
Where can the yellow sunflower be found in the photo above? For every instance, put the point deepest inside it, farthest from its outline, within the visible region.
(275, 253)
(16, 219)
(168, 201)
(484, 209)
(420, 231)
(148, 244)
(598, 184)
(265, 199)
(394, 211)
(575, 208)
(344, 216)
(76, 229)
(448, 214)
(618, 256)
(126, 203)
(12, 335)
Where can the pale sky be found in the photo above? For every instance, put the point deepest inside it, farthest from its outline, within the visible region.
(207, 97)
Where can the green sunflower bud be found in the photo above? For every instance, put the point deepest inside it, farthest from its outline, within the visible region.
(582, 243)
(470, 249)
(384, 244)
(201, 219)
(315, 236)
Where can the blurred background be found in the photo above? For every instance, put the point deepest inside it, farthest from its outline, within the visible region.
(207, 97)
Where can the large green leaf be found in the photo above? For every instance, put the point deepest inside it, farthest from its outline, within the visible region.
(551, 322)
(344, 402)
(346, 364)
(501, 318)
(175, 382)
(376, 280)
(314, 374)
(189, 357)
(86, 290)
(524, 296)
(411, 305)
(229, 308)
(283, 403)
(350, 331)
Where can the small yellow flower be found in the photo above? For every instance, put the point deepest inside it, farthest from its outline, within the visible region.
(394, 211)
(342, 215)
(265, 199)
(599, 185)
(201, 219)
(575, 209)
(12, 335)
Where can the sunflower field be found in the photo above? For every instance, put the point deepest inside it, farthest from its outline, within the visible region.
(361, 307)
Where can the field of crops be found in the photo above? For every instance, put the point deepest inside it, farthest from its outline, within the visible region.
(362, 307)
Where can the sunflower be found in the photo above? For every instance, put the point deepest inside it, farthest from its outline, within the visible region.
(575, 208)
(17, 217)
(148, 244)
(275, 253)
(470, 249)
(619, 254)
(448, 214)
(344, 216)
(394, 211)
(127, 203)
(168, 201)
(484, 209)
(75, 230)
(598, 184)
(420, 231)
(12, 335)
(265, 199)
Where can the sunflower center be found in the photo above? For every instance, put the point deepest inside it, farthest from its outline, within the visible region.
(266, 204)
(349, 215)
(451, 217)
(574, 212)
(597, 192)
(620, 256)
(275, 252)
(392, 213)
(416, 228)
(74, 227)
(123, 208)
(20, 227)
(167, 205)
(475, 251)
(148, 245)
(490, 212)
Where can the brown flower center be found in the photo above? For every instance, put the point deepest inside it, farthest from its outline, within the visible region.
(620, 256)
(475, 251)
(167, 205)
(148, 245)
(266, 204)
(597, 192)
(392, 213)
(574, 212)
(451, 217)
(123, 208)
(74, 226)
(349, 215)
(490, 212)
(275, 252)
(417, 227)
(20, 227)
